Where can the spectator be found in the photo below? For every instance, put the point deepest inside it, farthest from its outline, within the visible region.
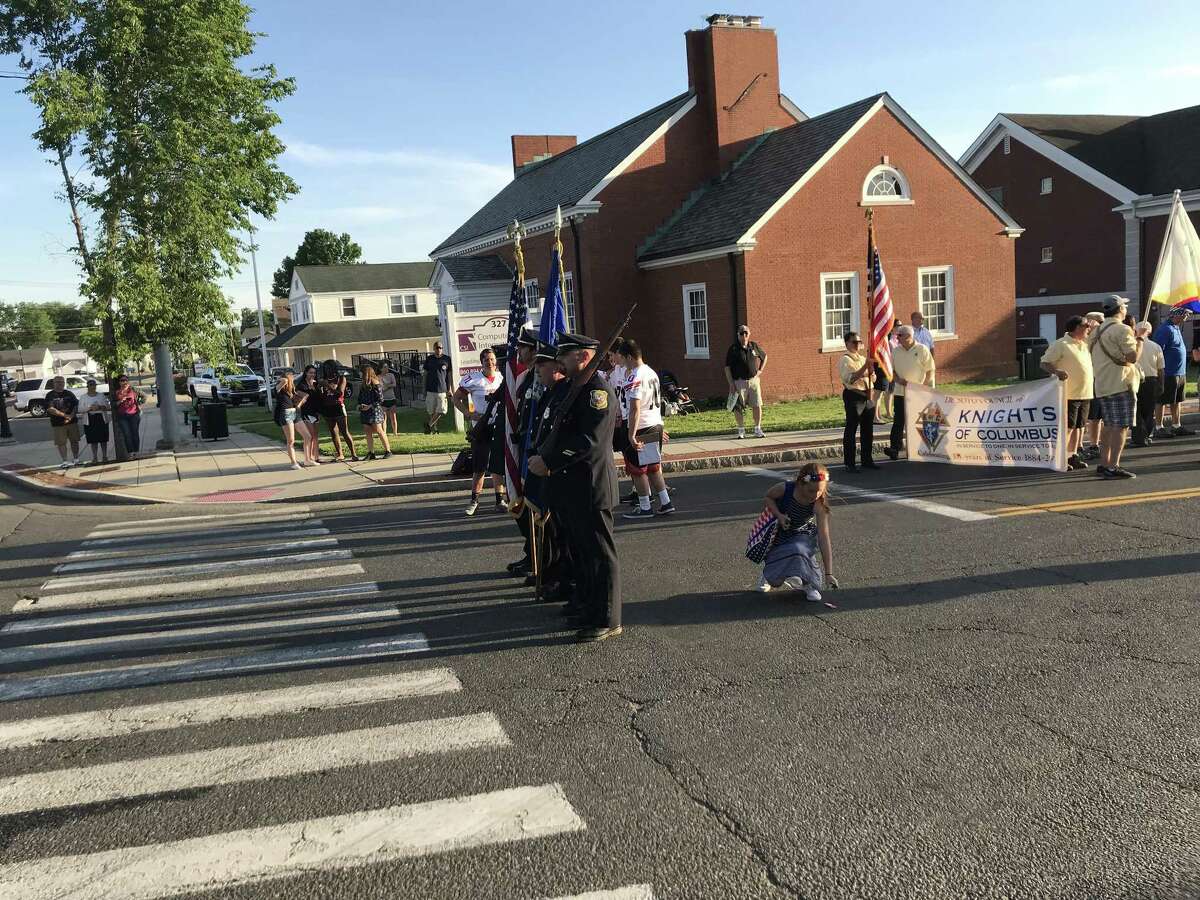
(63, 407)
(1150, 365)
(1115, 352)
(127, 415)
(910, 362)
(801, 556)
(94, 407)
(437, 387)
(372, 412)
(310, 415)
(641, 406)
(1090, 449)
(288, 401)
(921, 334)
(471, 399)
(1070, 360)
(387, 388)
(334, 388)
(1170, 338)
(855, 371)
(744, 365)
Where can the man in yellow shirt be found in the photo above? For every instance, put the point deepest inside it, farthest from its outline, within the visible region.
(1115, 352)
(1070, 360)
(854, 369)
(911, 362)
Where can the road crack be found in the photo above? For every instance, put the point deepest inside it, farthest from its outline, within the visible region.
(726, 820)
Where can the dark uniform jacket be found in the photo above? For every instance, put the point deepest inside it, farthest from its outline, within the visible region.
(580, 454)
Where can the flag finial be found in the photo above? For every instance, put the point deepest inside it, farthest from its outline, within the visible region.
(515, 233)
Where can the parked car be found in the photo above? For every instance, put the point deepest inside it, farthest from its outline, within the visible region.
(31, 393)
(234, 384)
(280, 371)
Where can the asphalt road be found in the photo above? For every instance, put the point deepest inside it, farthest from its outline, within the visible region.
(1003, 704)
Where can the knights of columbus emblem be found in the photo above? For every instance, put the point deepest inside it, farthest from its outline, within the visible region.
(933, 427)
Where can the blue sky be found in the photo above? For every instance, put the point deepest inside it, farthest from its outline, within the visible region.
(399, 128)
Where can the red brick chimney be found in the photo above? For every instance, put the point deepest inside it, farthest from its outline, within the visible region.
(733, 67)
(527, 148)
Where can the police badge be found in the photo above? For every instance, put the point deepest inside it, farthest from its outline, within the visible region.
(598, 400)
(933, 427)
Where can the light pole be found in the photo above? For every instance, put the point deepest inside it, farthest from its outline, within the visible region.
(262, 334)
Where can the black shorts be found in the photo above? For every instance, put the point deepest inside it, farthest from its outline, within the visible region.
(388, 404)
(1173, 388)
(1094, 413)
(1077, 413)
(481, 453)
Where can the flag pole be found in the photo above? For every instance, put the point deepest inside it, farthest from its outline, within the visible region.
(1162, 252)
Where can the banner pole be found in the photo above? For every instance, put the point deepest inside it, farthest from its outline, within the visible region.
(1162, 252)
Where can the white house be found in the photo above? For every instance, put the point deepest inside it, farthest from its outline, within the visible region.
(46, 360)
(368, 309)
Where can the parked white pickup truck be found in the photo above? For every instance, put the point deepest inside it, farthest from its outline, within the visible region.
(31, 393)
(234, 385)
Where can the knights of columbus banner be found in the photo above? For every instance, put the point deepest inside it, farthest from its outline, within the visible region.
(1020, 425)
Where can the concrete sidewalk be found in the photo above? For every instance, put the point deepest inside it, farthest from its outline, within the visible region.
(250, 468)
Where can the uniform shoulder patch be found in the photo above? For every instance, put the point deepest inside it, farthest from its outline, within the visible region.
(598, 400)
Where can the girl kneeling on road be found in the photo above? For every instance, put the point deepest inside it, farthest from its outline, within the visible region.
(801, 555)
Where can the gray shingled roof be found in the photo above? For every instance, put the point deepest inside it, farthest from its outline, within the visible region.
(364, 277)
(464, 269)
(318, 334)
(562, 180)
(724, 210)
(1147, 154)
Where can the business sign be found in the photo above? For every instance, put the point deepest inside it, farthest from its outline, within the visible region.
(477, 332)
(1019, 426)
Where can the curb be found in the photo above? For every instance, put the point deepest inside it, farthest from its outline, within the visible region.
(89, 495)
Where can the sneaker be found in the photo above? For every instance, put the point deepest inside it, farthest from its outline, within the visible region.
(371, 457)
(741, 433)
(763, 586)
(297, 466)
(632, 499)
(79, 459)
(1105, 472)
(665, 509)
(64, 465)
(1164, 433)
(387, 454)
(600, 633)
(1074, 463)
(758, 432)
(501, 505)
(811, 593)
(1119, 472)
(472, 507)
(638, 513)
(1177, 431)
(1092, 452)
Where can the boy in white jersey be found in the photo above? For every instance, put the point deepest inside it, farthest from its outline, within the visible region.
(641, 407)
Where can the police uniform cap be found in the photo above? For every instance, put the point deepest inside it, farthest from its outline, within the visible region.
(501, 351)
(528, 338)
(568, 342)
(547, 352)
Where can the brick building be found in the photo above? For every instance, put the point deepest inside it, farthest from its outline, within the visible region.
(1092, 193)
(728, 204)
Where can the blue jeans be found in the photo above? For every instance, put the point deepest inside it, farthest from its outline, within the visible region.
(130, 428)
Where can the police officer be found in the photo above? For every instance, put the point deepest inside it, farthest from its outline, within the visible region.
(526, 347)
(577, 456)
(541, 405)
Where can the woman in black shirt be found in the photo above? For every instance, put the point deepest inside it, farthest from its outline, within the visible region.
(310, 415)
(333, 408)
(287, 412)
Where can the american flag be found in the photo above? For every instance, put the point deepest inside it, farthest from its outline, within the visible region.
(518, 315)
(882, 313)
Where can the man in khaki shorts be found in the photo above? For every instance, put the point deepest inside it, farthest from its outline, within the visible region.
(63, 406)
(744, 364)
(438, 385)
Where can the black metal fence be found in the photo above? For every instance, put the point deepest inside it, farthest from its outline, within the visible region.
(405, 365)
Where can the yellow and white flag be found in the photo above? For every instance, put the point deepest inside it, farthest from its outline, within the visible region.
(1177, 279)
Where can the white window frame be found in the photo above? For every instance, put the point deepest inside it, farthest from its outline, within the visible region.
(691, 348)
(1048, 254)
(1047, 185)
(839, 342)
(569, 309)
(536, 303)
(904, 198)
(949, 315)
(404, 301)
(353, 307)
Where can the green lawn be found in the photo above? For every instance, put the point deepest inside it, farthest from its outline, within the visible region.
(792, 415)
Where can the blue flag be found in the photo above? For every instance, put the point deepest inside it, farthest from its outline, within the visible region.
(554, 318)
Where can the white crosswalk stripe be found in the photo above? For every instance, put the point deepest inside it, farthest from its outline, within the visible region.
(167, 587)
(98, 596)
(107, 723)
(335, 842)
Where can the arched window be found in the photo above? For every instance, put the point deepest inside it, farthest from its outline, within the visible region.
(883, 185)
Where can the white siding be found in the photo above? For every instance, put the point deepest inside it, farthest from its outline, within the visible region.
(370, 304)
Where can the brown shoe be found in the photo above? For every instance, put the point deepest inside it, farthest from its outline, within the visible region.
(600, 633)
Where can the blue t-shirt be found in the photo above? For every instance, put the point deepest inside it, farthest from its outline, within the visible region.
(1170, 338)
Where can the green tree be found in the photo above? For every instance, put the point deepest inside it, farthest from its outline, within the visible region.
(158, 130)
(319, 248)
(70, 321)
(25, 325)
(250, 319)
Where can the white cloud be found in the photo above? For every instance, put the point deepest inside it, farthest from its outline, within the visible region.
(438, 165)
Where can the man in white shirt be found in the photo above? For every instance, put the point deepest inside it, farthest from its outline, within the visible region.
(1152, 364)
(478, 388)
(910, 362)
(921, 334)
(641, 401)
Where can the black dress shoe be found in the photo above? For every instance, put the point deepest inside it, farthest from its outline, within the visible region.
(869, 465)
(890, 453)
(520, 567)
(851, 467)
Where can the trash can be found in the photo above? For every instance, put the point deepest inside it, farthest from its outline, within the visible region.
(214, 422)
(1029, 357)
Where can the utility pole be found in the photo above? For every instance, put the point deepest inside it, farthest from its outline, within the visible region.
(262, 334)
